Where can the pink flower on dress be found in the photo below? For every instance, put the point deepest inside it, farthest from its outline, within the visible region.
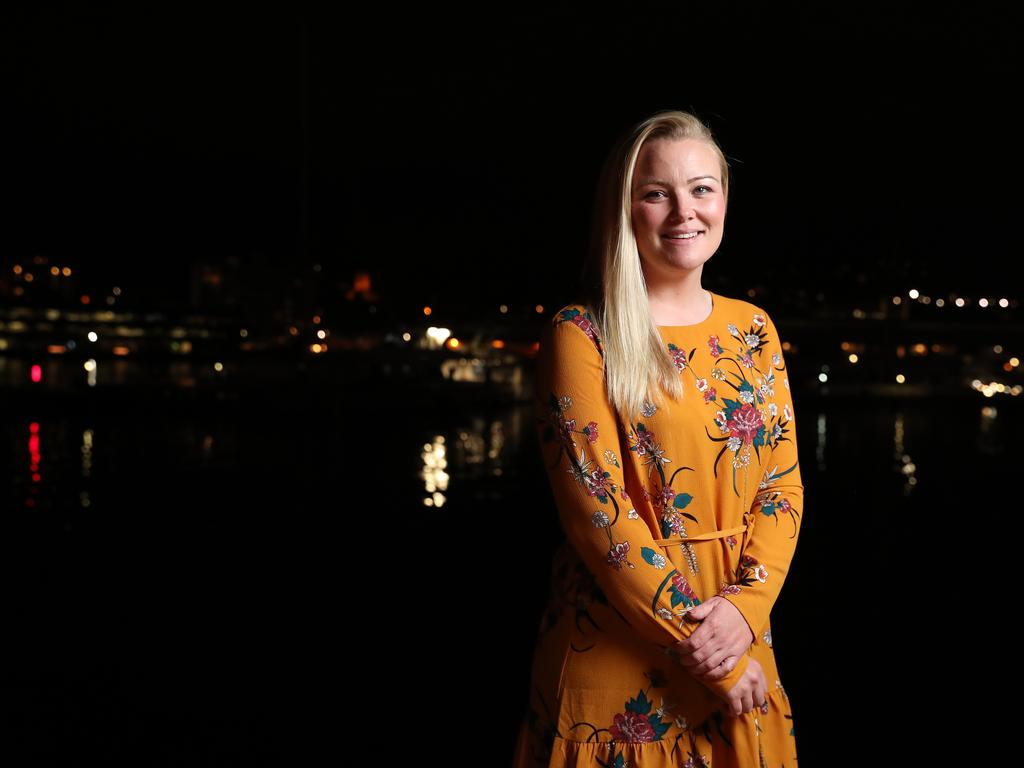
(761, 573)
(663, 500)
(591, 431)
(745, 422)
(565, 430)
(710, 395)
(596, 483)
(683, 587)
(678, 357)
(632, 727)
(731, 541)
(617, 555)
(716, 350)
(729, 589)
(586, 326)
(641, 442)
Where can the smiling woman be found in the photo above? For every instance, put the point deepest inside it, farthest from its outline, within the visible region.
(665, 422)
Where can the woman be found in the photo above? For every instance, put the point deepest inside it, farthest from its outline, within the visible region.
(666, 426)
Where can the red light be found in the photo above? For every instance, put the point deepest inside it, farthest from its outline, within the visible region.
(37, 374)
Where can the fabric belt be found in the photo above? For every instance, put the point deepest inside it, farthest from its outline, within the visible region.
(709, 535)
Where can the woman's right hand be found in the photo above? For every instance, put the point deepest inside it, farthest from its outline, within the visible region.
(750, 690)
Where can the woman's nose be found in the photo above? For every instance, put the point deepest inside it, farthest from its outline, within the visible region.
(684, 211)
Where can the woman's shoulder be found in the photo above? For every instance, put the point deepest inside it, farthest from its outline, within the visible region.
(577, 314)
(741, 312)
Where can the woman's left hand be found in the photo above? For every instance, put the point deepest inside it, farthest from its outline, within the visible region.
(723, 636)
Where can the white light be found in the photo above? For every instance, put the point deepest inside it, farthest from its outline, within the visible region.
(913, 293)
(1004, 303)
(959, 302)
(982, 302)
(822, 377)
(900, 378)
(93, 336)
(218, 366)
(940, 303)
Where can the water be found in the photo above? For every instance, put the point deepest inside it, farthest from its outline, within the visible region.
(187, 578)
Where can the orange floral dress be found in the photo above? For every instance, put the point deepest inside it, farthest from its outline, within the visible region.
(696, 498)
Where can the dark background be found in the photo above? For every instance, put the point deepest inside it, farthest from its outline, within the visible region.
(292, 592)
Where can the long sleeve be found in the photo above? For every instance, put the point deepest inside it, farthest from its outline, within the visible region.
(777, 506)
(583, 455)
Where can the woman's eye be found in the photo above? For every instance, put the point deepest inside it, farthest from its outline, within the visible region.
(655, 192)
(704, 187)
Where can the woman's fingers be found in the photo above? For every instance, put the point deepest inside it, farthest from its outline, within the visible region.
(722, 669)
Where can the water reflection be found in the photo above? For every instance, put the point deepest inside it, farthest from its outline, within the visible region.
(904, 464)
(819, 452)
(435, 479)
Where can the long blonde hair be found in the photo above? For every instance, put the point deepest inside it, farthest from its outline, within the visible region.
(636, 361)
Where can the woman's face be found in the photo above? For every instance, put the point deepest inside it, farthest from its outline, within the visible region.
(677, 190)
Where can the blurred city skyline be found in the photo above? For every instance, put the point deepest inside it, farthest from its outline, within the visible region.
(444, 155)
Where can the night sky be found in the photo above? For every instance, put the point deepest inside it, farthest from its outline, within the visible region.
(454, 153)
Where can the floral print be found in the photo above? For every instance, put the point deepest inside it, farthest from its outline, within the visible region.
(695, 500)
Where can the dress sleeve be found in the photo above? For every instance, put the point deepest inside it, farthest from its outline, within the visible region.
(778, 502)
(583, 456)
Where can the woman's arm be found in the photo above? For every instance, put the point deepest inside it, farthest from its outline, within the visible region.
(583, 455)
(778, 503)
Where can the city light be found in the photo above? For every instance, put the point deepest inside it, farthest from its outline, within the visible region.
(900, 378)
(92, 336)
(913, 293)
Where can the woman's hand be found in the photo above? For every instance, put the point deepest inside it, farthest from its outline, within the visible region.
(717, 644)
(750, 690)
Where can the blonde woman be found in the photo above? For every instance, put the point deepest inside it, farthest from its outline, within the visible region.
(666, 426)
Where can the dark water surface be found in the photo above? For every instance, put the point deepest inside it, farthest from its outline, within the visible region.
(235, 582)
